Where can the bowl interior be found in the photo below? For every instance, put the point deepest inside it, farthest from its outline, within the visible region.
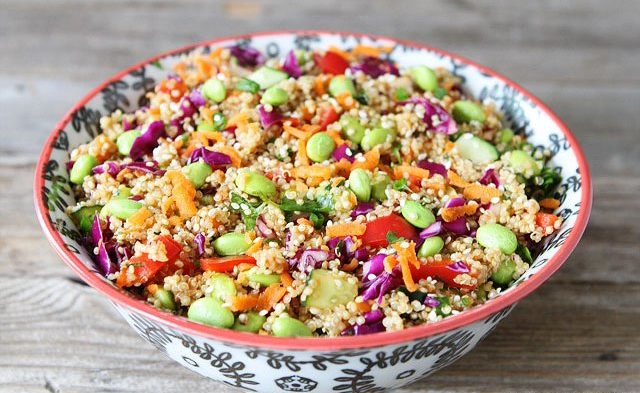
(126, 92)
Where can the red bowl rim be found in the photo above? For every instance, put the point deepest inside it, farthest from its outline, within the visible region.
(318, 343)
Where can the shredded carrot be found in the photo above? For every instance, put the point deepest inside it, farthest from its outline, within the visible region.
(242, 303)
(215, 53)
(175, 220)
(167, 205)
(371, 160)
(238, 120)
(236, 159)
(335, 135)
(304, 221)
(301, 156)
(183, 193)
(255, 247)
(351, 266)
(306, 114)
(311, 128)
(409, 253)
(348, 229)
(314, 181)
(154, 112)
(138, 218)
(449, 146)
(152, 289)
(342, 168)
(209, 136)
(311, 171)
(389, 263)
(451, 213)
(363, 307)
(546, 220)
(286, 279)
(484, 193)
(406, 274)
(243, 267)
(365, 50)
(456, 181)
(400, 171)
(345, 100)
(437, 186)
(550, 203)
(318, 86)
(296, 132)
(270, 296)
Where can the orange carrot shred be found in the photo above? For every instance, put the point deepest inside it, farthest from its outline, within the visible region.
(286, 279)
(451, 213)
(400, 170)
(456, 181)
(348, 229)
(270, 296)
(484, 193)
(363, 307)
(371, 160)
(138, 218)
(242, 303)
(550, 203)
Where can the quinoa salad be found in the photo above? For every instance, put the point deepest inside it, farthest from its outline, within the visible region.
(325, 193)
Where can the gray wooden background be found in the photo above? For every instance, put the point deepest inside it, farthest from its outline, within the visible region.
(579, 332)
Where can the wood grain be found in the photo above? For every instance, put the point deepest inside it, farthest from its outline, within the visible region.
(579, 332)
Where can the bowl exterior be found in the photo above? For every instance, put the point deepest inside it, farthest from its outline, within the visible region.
(390, 359)
(356, 370)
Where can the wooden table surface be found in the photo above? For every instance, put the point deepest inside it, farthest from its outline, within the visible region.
(578, 332)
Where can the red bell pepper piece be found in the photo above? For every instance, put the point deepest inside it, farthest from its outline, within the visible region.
(225, 264)
(145, 271)
(331, 63)
(544, 220)
(327, 117)
(439, 270)
(376, 233)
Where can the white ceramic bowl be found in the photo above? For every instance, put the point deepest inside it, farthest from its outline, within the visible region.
(359, 364)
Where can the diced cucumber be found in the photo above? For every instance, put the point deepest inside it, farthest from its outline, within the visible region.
(253, 323)
(222, 286)
(504, 275)
(329, 289)
(476, 149)
(267, 77)
(264, 279)
(84, 217)
(523, 163)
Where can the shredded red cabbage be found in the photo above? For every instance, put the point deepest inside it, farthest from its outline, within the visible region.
(490, 177)
(290, 65)
(263, 230)
(457, 226)
(361, 254)
(362, 208)
(375, 67)
(267, 119)
(246, 55)
(381, 285)
(458, 267)
(373, 316)
(455, 202)
(145, 143)
(127, 125)
(375, 266)
(343, 152)
(114, 169)
(105, 265)
(430, 301)
(432, 230)
(212, 158)
(433, 167)
(446, 124)
(197, 99)
(200, 240)
(360, 330)
(310, 258)
(109, 167)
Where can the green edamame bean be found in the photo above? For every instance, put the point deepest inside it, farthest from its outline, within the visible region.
(464, 111)
(379, 187)
(417, 215)
(523, 163)
(352, 129)
(275, 96)
(121, 208)
(376, 137)
(340, 84)
(84, 217)
(290, 327)
(360, 184)
(210, 311)
(231, 244)
(205, 126)
(222, 287)
(264, 279)
(166, 299)
(214, 90)
(320, 146)
(197, 173)
(82, 168)
(256, 184)
(122, 193)
(505, 135)
(125, 141)
(431, 246)
(424, 77)
(504, 274)
(253, 324)
(497, 236)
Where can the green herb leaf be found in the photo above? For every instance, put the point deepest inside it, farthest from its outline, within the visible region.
(401, 185)
(362, 98)
(219, 122)
(318, 220)
(543, 185)
(524, 253)
(393, 238)
(323, 204)
(249, 215)
(401, 94)
(439, 93)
